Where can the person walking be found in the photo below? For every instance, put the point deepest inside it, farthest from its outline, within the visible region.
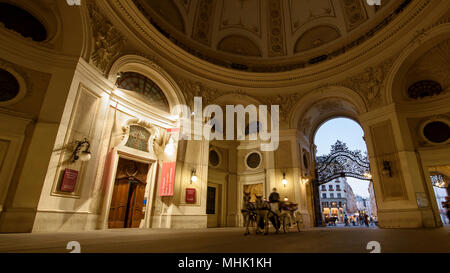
(366, 220)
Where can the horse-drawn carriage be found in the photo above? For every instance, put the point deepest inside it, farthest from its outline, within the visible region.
(260, 214)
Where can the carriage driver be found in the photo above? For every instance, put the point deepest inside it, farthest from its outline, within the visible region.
(274, 199)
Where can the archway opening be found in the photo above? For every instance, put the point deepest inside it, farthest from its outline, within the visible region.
(440, 180)
(344, 187)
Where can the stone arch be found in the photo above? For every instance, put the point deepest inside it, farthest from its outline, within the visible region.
(142, 65)
(336, 92)
(410, 55)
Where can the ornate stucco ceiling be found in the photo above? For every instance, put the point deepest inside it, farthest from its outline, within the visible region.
(267, 35)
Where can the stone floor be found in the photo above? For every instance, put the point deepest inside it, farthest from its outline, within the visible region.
(232, 240)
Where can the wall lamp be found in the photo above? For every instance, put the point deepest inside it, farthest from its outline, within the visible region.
(193, 176)
(367, 175)
(81, 155)
(387, 169)
(284, 181)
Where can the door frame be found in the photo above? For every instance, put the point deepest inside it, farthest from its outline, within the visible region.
(134, 155)
(222, 187)
(218, 202)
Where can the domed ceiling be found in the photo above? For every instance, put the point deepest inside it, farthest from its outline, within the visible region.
(268, 35)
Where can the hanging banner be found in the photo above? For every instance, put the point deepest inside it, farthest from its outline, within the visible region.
(169, 164)
(167, 179)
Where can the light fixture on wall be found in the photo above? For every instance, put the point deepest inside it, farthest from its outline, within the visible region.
(284, 181)
(304, 180)
(367, 175)
(387, 169)
(81, 155)
(193, 176)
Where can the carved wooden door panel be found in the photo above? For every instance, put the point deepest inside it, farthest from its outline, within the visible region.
(135, 210)
(127, 202)
(119, 204)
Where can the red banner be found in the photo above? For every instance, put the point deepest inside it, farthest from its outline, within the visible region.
(69, 180)
(190, 195)
(167, 179)
(168, 168)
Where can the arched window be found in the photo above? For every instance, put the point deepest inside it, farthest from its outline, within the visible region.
(138, 138)
(22, 22)
(145, 88)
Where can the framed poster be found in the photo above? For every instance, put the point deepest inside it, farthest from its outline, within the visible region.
(190, 195)
(69, 180)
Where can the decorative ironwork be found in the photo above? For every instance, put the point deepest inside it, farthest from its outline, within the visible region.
(342, 162)
(424, 89)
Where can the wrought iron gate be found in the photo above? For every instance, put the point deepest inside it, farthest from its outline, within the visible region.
(341, 162)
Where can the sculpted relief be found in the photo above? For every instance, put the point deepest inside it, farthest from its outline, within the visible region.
(370, 83)
(108, 42)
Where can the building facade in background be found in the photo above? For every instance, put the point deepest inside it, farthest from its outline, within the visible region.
(333, 199)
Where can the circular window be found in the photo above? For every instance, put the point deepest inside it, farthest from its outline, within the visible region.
(214, 158)
(436, 131)
(9, 86)
(253, 160)
(22, 22)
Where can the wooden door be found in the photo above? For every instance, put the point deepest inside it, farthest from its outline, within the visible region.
(119, 204)
(127, 203)
(135, 209)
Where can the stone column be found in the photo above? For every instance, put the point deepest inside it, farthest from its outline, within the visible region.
(400, 194)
